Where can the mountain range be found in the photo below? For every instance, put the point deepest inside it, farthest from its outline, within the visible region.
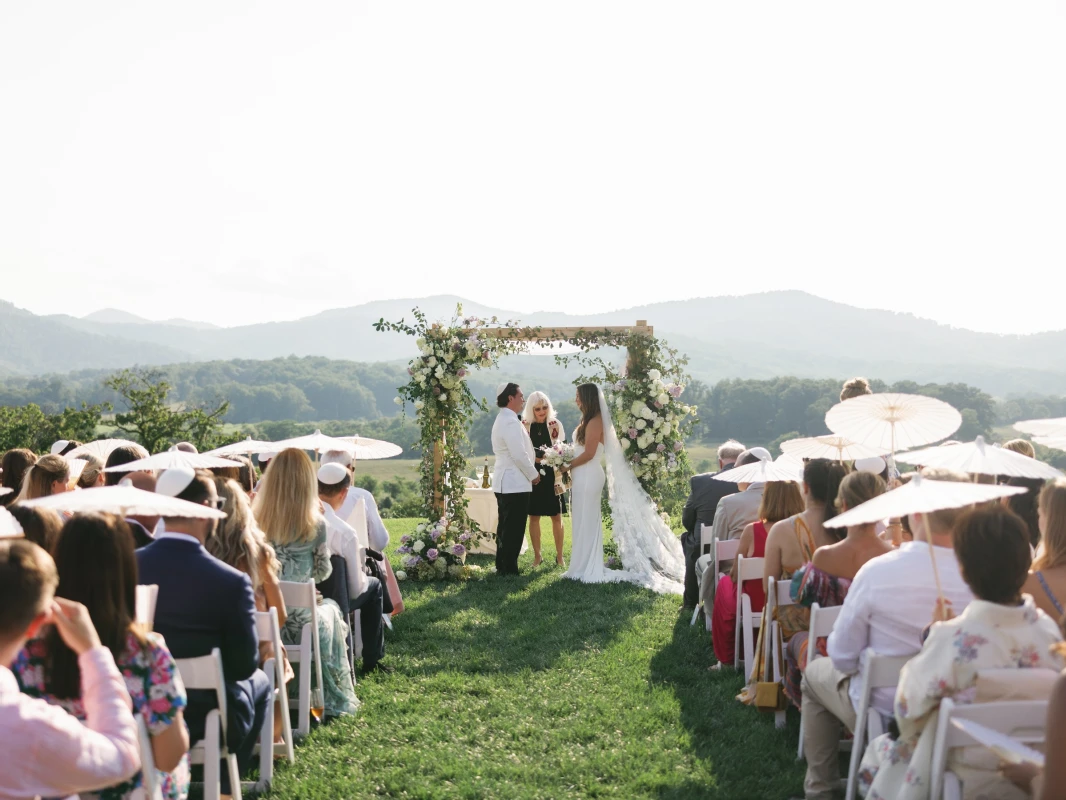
(748, 336)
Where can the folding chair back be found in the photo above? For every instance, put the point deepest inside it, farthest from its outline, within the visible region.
(1023, 720)
(144, 613)
(308, 652)
(706, 533)
(878, 672)
(822, 622)
(748, 569)
(149, 777)
(266, 624)
(778, 593)
(206, 673)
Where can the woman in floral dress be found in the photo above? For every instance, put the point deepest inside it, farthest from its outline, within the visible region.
(96, 565)
(289, 512)
(1001, 628)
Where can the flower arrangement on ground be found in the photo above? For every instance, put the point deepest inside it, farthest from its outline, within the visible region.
(433, 553)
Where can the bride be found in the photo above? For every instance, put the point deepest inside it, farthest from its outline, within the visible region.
(649, 550)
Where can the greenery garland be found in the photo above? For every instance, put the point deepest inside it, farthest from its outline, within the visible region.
(651, 420)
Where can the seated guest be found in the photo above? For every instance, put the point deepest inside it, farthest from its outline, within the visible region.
(364, 591)
(1000, 629)
(246, 474)
(44, 751)
(40, 525)
(1023, 446)
(704, 494)
(96, 565)
(237, 541)
(126, 454)
(15, 464)
(889, 604)
(855, 387)
(1025, 505)
(288, 510)
(780, 499)
(1047, 581)
(50, 475)
(92, 474)
(826, 579)
(204, 604)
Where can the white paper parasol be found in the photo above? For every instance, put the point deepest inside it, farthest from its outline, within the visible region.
(371, 449)
(1054, 442)
(77, 467)
(316, 441)
(920, 496)
(892, 421)
(1042, 427)
(101, 448)
(174, 458)
(125, 500)
(5, 490)
(9, 526)
(838, 448)
(981, 458)
(242, 448)
(760, 472)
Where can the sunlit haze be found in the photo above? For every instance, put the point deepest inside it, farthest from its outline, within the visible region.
(252, 161)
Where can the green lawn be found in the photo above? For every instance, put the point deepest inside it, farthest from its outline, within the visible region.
(538, 687)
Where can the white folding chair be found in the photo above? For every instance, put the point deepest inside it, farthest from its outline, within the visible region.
(878, 672)
(822, 622)
(748, 569)
(357, 519)
(706, 540)
(308, 653)
(149, 777)
(1023, 720)
(144, 611)
(777, 594)
(205, 673)
(722, 551)
(266, 624)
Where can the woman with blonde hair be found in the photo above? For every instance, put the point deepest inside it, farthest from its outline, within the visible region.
(239, 542)
(548, 498)
(289, 512)
(1047, 580)
(92, 474)
(50, 475)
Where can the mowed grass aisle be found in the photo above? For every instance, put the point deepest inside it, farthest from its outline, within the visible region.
(538, 687)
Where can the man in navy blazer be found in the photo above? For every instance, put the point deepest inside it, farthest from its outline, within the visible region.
(203, 604)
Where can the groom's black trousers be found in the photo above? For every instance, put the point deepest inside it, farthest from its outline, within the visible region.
(511, 530)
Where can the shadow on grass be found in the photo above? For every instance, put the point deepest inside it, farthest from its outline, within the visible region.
(747, 754)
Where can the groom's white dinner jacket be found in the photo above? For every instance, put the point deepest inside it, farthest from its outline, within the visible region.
(515, 468)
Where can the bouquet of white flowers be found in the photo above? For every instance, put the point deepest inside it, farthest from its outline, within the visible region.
(559, 455)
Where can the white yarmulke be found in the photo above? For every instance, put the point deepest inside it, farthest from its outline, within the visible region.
(337, 457)
(874, 464)
(761, 453)
(174, 481)
(265, 457)
(57, 447)
(502, 388)
(331, 474)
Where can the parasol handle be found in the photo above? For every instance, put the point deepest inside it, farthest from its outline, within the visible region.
(936, 572)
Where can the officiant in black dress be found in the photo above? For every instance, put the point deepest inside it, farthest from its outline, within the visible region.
(548, 498)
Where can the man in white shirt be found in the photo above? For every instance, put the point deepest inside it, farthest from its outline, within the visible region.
(365, 592)
(377, 533)
(513, 477)
(891, 601)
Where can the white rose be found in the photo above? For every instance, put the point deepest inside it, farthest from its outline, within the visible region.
(398, 401)
(653, 457)
(401, 575)
(444, 397)
(420, 342)
(640, 424)
(664, 399)
(438, 373)
(448, 359)
(432, 361)
(419, 405)
(636, 408)
(654, 374)
(418, 546)
(647, 413)
(625, 444)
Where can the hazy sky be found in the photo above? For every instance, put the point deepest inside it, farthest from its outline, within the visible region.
(244, 161)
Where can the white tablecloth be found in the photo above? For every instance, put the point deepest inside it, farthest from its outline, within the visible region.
(481, 506)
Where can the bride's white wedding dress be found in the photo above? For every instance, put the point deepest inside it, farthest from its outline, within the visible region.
(649, 550)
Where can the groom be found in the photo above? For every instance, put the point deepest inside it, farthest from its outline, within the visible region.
(514, 476)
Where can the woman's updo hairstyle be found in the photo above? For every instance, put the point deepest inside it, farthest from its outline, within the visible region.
(823, 478)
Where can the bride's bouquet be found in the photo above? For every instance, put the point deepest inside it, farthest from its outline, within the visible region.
(560, 454)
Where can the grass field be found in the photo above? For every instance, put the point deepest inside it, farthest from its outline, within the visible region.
(538, 687)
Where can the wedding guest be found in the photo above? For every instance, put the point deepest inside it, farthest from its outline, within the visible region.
(238, 541)
(15, 464)
(246, 474)
(92, 475)
(365, 592)
(1025, 505)
(96, 565)
(855, 387)
(780, 500)
(1047, 582)
(887, 608)
(80, 757)
(203, 604)
(548, 498)
(40, 525)
(1023, 446)
(125, 454)
(1000, 629)
(50, 475)
(288, 510)
(700, 508)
